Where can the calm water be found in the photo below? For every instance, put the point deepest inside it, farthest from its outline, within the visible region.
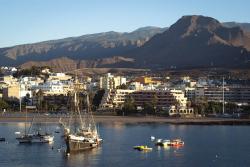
(204, 146)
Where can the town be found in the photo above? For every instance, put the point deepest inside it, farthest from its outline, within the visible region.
(39, 88)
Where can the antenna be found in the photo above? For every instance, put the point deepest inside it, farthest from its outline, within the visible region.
(20, 98)
(223, 98)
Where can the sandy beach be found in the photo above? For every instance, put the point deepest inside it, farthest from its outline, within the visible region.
(133, 120)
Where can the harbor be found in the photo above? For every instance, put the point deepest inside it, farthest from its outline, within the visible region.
(119, 140)
(109, 119)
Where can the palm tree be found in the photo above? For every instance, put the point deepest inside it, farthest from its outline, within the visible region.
(39, 96)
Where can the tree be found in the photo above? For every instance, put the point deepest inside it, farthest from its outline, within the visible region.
(200, 106)
(3, 104)
(231, 107)
(129, 106)
(123, 86)
(26, 99)
(154, 103)
(213, 107)
(33, 71)
(148, 108)
(53, 107)
(39, 95)
(98, 97)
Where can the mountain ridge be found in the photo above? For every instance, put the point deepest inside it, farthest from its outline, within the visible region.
(244, 26)
(193, 41)
(88, 46)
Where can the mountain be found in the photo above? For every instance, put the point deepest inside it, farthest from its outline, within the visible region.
(244, 26)
(195, 41)
(65, 64)
(85, 47)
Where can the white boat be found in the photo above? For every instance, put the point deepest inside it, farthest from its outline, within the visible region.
(17, 133)
(158, 141)
(42, 138)
(35, 137)
(163, 143)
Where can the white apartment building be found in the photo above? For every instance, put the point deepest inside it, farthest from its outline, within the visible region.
(136, 86)
(110, 81)
(114, 98)
(164, 98)
(52, 88)
(180, 97)
(59, 76)
(16, 91)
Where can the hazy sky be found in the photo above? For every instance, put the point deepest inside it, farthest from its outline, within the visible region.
(27, 21)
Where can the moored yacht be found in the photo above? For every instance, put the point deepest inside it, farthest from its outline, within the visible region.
(35, 137)
(83, 134)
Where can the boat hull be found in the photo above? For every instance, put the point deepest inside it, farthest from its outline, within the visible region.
(24, 139)
(79, 145)
(35, 139)
(42, 139)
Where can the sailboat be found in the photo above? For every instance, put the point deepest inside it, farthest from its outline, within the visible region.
(83, 134)
(36, 137)
(224, 114)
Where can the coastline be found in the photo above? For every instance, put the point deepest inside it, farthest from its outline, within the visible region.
(135, 120)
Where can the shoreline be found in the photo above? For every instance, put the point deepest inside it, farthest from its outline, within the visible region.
(135, 120)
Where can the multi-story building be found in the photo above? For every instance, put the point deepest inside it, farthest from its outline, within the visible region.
(163, 98)
(234, 94)
(52, 88)
(111, 82)
(16, 91)
(9, 80)
(114, 98)
(190, 93)
(136, 86)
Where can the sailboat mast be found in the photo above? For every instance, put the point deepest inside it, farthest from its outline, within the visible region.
(91, 114)
(25, 121)
(75, 106)
(223, 98)
(20, 98)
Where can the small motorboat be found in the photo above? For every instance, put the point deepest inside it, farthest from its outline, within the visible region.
(143, 148)
(176, 143)
(2, 139)
(152, 138)
(158, 142)
(163, 143)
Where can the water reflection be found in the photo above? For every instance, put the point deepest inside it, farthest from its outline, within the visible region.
(115, 125)
(83, 158)
(202, 144)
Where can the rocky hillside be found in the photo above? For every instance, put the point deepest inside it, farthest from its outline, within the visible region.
(91, 46)
(243, 26)
(192, 42)
(195, 41)
(65, 64)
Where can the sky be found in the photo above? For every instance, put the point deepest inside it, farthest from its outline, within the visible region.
(29, 21)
